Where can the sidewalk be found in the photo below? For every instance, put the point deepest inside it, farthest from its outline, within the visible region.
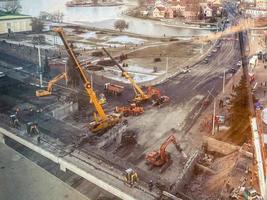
(21, 179)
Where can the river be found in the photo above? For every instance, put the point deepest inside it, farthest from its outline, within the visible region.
(104, 17)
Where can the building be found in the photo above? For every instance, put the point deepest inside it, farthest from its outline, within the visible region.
(179, 10)
(192, 8)
(15, 23)
(261, 4)
(256, 13)
(159, 12)
(208, 12)
(169, 13)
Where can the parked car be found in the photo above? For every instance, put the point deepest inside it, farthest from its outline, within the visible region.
(231, 71)
(206, 60)
(239, 63)
(2, 74)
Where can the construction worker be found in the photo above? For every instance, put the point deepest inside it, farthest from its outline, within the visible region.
(32, 128)
(39, 139)
(14, 121)
(150, 185)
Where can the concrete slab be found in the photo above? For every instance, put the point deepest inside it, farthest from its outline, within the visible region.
(23, 180)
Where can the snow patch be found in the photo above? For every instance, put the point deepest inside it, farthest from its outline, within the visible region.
(89, 35)
(126, 40)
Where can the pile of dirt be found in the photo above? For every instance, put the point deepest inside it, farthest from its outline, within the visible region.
(209, 187)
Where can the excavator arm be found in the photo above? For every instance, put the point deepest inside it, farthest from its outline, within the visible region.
(48, 91)
(170, 139)
(84, 78)
(140, 95)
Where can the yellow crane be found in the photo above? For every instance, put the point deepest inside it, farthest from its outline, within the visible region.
(140, 96)
(48, 91)
(102, 121)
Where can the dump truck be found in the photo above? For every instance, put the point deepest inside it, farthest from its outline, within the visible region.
(113, 89)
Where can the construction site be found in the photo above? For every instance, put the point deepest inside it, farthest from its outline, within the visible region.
(125, 116)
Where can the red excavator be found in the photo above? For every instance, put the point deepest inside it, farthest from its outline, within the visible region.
(155, 96)
(161, 157)
(132, 110)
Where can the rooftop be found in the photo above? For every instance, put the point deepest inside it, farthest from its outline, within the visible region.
(13, 16)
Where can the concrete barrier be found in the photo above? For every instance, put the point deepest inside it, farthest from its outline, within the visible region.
(63, 111)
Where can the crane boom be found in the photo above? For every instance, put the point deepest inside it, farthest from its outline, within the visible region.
(140, 95)
(84, 78)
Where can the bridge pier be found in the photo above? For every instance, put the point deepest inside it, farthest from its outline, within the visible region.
(2, 138)
(62, 167)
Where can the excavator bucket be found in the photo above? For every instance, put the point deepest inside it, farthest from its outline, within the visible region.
(42, 93)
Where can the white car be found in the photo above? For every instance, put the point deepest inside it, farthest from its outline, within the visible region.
(18, 68)
(239, 64)
(184, 71)
(2, 74)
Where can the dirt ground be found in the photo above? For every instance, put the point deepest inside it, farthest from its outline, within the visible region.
(229, 172)
(177, 54)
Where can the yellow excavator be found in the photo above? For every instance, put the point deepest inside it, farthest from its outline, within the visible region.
(140, 96)
(48, 91)
(102, 121)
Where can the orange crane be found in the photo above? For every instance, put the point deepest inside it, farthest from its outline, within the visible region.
(48, 91)
(161, 157)
(102, 121)
(140, 96)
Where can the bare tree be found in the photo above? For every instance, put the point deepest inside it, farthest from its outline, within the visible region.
(37, 25)
(121, 25)
(12, 6)
(95, 2)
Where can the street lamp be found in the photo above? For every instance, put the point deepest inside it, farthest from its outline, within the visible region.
(214, 112)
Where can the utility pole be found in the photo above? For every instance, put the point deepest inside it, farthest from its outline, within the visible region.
(40, 66)
(92, 81)
(214, 113)
(223, 81)
(214, 116)
(66, 79)
(167, 66)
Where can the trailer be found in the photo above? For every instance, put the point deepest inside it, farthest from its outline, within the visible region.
(113, 89)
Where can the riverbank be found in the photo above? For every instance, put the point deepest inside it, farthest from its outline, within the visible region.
(177, 22)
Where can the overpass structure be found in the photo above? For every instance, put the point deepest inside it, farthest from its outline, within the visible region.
(91, 169)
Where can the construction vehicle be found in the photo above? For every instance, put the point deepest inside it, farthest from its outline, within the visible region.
(48, 91)
(155, 96)
(132, 110)
(32, 128)
(140, 96)
(130, 177)
(113, 89)
(102, 121)
(251, 194)
(161, 157)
